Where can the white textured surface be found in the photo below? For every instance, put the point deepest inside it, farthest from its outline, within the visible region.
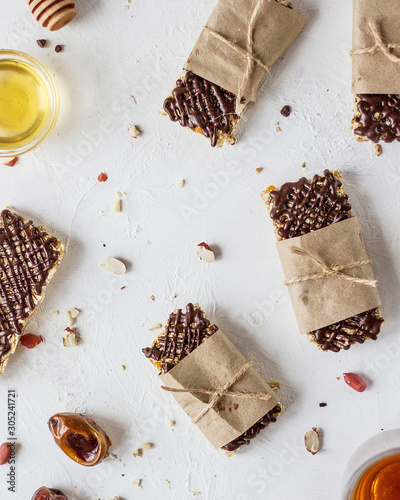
(112, 50)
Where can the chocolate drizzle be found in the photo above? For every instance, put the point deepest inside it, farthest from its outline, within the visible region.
(270, 417)
(185, 332)
(198, 103)
(379, 117)
(27, 255)
(301, 207)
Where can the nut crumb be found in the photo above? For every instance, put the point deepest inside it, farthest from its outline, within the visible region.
(378, 149)
(278, 129)
(138, 452)
(147, 446)
(137, 483)
(167, 481)
(303, 165)
(118, 205)
(123, 368)
(155, 327)
(171, 423)
(180, 183)
(134, 132)
(55, 313)
(152, 298)
(258, 170)
(70, 338)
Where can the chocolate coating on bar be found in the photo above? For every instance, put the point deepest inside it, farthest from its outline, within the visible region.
(379, 118)
(27, 255)
(301, 207)
(245, 438)
(184, 332)
(198, 103)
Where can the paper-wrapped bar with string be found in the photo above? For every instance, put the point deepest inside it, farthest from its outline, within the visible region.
(376, 70)
(326, 266)
(236, 49)
(212, 381)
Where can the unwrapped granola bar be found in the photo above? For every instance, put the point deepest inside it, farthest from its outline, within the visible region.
(29, 257)
(299, 208)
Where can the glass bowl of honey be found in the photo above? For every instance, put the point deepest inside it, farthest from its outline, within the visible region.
(373, 472)
(29, 103)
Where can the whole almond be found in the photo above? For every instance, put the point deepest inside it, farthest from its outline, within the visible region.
(5, 452)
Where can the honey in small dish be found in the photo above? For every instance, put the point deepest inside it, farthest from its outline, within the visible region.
(24, 103)
(381, 481)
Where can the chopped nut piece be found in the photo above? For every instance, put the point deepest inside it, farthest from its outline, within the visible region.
(70, 338)
(138, 452)
(311, 441)
(118, 206)
(152, 298)
(180, 184)
(72, 314)
(123, 368)
(278, 129)
(112, 265)
(147, 446)
(134, 132)
(303, 165)
(258, 170)
(171, 423)
(205, 252)
(378, 149)
(155, 327)
(55, 313)
(137, 483)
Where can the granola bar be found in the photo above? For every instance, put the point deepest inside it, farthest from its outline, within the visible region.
(183, 333)
(29, 257)
(376, 117)
(304, 206)
(205, 107)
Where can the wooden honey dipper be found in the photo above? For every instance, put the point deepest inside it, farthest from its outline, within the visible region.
(53, 14)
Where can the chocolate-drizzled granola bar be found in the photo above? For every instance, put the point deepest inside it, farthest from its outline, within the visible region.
(184, 332)
(300, 207)
(376, 117)
(28, 259)
(205, 107)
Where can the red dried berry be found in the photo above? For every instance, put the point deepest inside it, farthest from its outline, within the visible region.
(355, 381)
(102, 177)
(30, 341)
(11, 162)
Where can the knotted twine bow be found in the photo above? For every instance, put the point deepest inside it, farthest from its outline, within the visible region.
(330, 270)
(248, 54)
(217, 394)
(380, 45)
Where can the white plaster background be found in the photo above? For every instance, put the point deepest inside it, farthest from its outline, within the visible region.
(112, 50)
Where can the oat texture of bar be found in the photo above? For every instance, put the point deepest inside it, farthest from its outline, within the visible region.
(184, 332)
(205, 107)
(29, 257)
(376, 117)
(298, 208)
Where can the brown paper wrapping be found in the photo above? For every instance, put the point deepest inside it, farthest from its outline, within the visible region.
(322, 302)
(209, 367)
(275, 30)
(375, 73)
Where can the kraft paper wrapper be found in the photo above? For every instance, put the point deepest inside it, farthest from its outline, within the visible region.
(375, 73)
(325, 301)
(275, 30)
(209, 367)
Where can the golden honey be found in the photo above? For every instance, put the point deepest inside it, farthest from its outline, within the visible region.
(381, 481)
(24, 104)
